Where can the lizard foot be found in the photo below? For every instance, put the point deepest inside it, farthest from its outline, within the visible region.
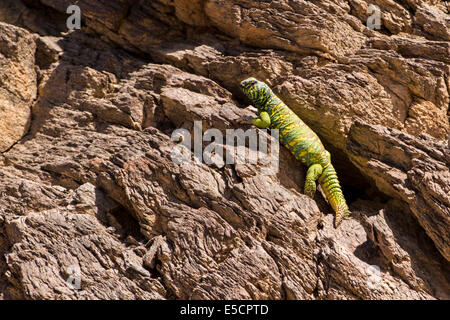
(310, 188)
(310, 193)
(340, 216)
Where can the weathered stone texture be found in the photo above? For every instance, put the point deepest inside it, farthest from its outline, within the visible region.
(87, 181)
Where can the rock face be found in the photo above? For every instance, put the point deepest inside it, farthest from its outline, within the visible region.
(93, 206)
(17, 83)
(414, 170)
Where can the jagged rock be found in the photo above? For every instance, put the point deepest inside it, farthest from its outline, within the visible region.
(92, 188)
(415, 170)
(47, 51)
(391, 230)
(294, 26)
(433, 21)
(17, 83)
(53, 248)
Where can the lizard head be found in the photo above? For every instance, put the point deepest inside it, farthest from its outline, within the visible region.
(257, 91)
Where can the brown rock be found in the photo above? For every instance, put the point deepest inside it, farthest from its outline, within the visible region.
(92, 189)
(191, 12)
(17, 83)
(293, 26)
(414, 170)
(433, 21)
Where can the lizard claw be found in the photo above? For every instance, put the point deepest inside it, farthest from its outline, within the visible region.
(310, 188)
(310, 193)
(340, 216)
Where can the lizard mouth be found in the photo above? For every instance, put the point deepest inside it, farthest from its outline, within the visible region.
(248, 83)
(244, 84)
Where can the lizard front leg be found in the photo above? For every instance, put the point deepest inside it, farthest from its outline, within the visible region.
(263, 121)
(312, 175)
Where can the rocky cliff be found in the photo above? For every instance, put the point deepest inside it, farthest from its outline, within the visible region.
(89, 191)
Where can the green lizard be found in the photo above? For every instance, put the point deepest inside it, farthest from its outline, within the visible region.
(301, 141)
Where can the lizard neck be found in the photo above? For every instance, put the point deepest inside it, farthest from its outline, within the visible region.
(272, 102)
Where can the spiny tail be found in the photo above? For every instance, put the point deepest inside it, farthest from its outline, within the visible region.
(330, 186)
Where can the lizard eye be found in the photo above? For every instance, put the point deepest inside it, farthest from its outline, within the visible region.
(248, 83)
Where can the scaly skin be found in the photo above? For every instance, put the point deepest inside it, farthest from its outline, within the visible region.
(301, 141)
